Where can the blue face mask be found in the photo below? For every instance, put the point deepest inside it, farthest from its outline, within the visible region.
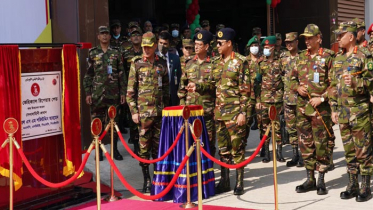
(117, 36)
(175, 33)
(267, 52)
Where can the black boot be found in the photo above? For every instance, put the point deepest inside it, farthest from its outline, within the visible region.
(279, 157)
(352, 189)
(331, 166)
(365, 193)
(266, 158)
(255, 125)
(238, 189)
(321, 189)
(224, 183)
(294, 160)
(117, 155)
(262, 151)
(147, 182)
(300, 162)
(309, 184)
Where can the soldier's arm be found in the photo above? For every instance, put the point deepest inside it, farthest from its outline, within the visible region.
(332, 90)
(166, 88)
(254, 71)
(244, 88)
(182, 93)
(132, 89)
(122, 76)
(258, 78)
(88, 77)
(328, 77)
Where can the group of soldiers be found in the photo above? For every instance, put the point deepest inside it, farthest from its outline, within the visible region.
(313, 88)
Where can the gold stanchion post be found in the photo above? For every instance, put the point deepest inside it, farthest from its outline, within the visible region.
(272, 115)
(112, 112)
(197, 131)
(10, 127)
(96, 128)
(186, 115)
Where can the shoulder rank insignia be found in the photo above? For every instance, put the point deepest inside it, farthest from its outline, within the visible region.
(370, 66)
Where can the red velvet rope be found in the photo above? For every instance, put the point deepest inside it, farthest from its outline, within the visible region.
(102, 135)
(50, 184)
(145, 160)
(240, 165)
(137, 193)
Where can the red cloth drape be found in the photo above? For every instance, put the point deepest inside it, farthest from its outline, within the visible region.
(10, 106)
(71, 109)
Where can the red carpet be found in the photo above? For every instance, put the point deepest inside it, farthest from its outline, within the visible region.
(141, 205)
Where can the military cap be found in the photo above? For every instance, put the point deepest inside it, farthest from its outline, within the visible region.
(291, 36)
(133, 24)
(137, 29)
(219, 26)
(344, 27)
(187, 42)
(102, 29)
(204, 36)
(115, 23)
(311, 30)
(254, 39)
(226, 34)
(370, 29)
(148, 39)
(257, 31)
(185, 27)
(359, 23)
(205, 23)
(175, 25)
(278, 36)
(269, 40)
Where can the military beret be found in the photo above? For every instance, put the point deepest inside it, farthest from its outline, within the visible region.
(359, 23)
(102, 29)
(219, 26)
(133, 24)
(137, 29)
(370, 29)
(291, 36)
(311, 30)
(226, 34)
(205, 23)
(187, 43)
(346, 27)
(148, 39)
(175, 25)
(257, 31)
(278, 36)
(204, 36)
(254, 39)
(115, 23)
(269, 40)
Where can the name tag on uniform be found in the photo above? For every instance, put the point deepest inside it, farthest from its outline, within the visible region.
(143, 69)
(191, 70)
(302, 62)
(109, 69)
(316, 77)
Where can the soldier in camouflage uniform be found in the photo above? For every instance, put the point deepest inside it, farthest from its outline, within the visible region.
(288, 60)
(116, 38)
(147, 95)
(279, 49)
(271, 94)
(176, 41)
(104, 81)
(310, 78)
(188, 52)
(198, 71)
(231, 78)
(349, 94)
(360, 36)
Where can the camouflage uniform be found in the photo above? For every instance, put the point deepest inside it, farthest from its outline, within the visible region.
(255, 91)
(198, 73)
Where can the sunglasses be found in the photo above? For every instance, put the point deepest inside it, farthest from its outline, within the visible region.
(220, 43)
(188, 48)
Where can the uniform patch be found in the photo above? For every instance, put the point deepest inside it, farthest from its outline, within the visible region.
(370, 66)
(144, 69)
(302, 62)
(191, 70)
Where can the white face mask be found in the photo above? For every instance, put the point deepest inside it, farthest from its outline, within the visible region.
(267, 52)
(254, 50)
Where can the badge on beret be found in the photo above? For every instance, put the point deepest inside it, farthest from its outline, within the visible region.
(266, 41)
(220, 34)
(199, 36)
(370, 66)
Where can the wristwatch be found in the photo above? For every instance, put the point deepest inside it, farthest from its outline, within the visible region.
(322, 99)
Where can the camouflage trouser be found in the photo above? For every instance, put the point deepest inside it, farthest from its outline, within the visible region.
(231, 140)
(101, 112)
(150, 131)
(211, 130)
(313, 141)
(356, 137)
(264, 121)
(291, 126)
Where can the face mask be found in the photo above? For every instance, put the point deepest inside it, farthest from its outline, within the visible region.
(117, 36)
(267, 52)
(129, 33)
(162, 49)
(254, 50)
(175, 33)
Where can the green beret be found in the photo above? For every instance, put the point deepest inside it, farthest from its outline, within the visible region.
(269, 40)
(254, 39)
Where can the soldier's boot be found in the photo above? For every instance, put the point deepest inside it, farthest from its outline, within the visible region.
(255, 125)
(321, 188)
(136, 143)
(266, 158)
(224, 183)
(238, 189)
(331, 166)
(294, 160)
(279, 157)
(117, 155)
(309, 184)
(262, 151)
(300, 162)
(352, 189)
(365, 193)
(147, 182)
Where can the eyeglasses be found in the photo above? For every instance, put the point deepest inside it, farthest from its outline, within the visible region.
(221, 43)
(188, 48)
(133, 35)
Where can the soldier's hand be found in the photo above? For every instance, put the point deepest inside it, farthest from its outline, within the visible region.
(241, 120)
(88, 100)
(347, 78)
(302, 91)
(135, 118)
(191, 87)
(371, 99)
(122, 99)
(335, 117)
(315, 102)
(258, 106)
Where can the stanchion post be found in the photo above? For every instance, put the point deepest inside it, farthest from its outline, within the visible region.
(186, 115)
(112, 112)
(272, 115)
(96, 128)
(197, 130)
(10, 127)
